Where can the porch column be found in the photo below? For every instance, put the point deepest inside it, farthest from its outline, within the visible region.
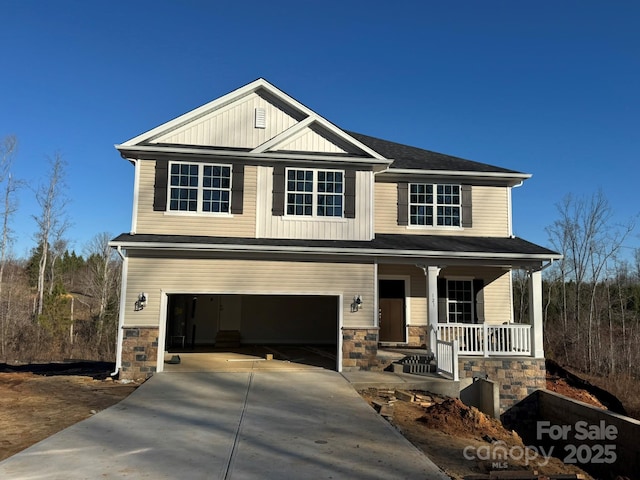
(432, 273)
(535, 313)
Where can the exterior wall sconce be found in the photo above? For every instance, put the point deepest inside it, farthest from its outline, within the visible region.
(141, 302)
(357, 303)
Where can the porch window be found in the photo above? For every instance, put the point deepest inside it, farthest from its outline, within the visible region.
(435, 204)
(315, 193)
(460, 301)
(203, 188)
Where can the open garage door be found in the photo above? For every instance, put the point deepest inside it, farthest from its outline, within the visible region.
(287, 325)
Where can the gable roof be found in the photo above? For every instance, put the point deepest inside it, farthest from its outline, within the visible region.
(301, 126)
(301, 122)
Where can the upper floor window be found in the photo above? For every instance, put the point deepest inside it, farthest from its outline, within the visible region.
(199, 187)
(312, 192)
(434, 204)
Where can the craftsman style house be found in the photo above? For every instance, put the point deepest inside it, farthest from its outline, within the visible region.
(255, 215)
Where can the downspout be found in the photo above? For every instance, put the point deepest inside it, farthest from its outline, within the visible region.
(123, 289)
(136, 188)
(510, 208)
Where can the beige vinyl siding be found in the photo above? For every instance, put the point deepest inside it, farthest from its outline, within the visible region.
(227, 276)
(180, 223)
(416, 298)
(497, 300)
(270, 226)
(310, 141)
(497, 290)
(232, 125)
(490, 213)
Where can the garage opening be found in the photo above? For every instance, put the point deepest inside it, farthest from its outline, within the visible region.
(296, 328)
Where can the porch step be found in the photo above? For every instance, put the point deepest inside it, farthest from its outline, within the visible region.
(228, 339)
(417, 364)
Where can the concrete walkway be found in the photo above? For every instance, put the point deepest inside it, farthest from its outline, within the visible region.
(256, 424)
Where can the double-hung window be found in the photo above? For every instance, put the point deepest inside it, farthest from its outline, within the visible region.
(315, 193)
(460, 301)
(199, 187)
(434, 204)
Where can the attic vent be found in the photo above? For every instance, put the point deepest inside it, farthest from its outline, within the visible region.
(261, 118)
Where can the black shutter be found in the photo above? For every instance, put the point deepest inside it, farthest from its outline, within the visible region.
(467, 216)
(160, 186)
(350, 194)
(403, 203)
(478, 307)
(237, 189)
(442, 300)
(278, 191)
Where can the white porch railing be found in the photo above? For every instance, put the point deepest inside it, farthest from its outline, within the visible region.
(447, 358)
(487, 340)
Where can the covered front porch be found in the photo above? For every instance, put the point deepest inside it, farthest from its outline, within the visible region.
(458, 310)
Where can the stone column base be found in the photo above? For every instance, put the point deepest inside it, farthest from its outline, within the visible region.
(139, 353)
(359, 349)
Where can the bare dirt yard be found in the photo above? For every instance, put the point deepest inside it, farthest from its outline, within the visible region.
(38, 401)
(461, 440)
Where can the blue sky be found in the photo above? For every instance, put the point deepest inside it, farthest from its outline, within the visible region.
(550, 88)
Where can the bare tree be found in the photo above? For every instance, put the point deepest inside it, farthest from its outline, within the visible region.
(103, 274)
(52, 222)
(589, 243)
(8, 150)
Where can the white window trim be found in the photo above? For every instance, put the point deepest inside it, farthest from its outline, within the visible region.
(314, 195)
(200, 194)
(435, 206)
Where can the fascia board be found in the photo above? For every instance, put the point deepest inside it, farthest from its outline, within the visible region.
(197, 112)
(284, 136)
(260, 83)
(514, 178)
(134, 151)
(358, 252)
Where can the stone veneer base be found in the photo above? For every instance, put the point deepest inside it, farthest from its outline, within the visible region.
(360, 349)
(139, 352)
(517, 377)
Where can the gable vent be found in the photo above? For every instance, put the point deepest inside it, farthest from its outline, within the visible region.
(261, 118)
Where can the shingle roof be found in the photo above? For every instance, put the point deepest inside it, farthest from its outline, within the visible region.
(420, 244)
(407, 157)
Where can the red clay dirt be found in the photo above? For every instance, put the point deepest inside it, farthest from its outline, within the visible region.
(444, 427)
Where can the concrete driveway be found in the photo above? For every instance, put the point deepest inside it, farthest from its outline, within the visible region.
(255, 424)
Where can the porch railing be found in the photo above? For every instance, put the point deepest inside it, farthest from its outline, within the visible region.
(487, 340)
(447, 358)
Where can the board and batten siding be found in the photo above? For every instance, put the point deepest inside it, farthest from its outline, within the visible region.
(327, 228)
(182, 223)
(232, 125)
(229, 276)
(490, 212)
(310, 141)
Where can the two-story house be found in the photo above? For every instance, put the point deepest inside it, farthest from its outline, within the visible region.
(254, 214)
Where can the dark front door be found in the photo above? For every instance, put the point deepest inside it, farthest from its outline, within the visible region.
(391, 303)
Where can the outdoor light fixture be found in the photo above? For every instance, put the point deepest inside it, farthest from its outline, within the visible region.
(141, 302)
(357, 303)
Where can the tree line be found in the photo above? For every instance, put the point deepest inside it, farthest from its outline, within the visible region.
(591, 298)
(56, 304)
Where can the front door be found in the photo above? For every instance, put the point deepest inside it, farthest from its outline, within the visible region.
(391, 303)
